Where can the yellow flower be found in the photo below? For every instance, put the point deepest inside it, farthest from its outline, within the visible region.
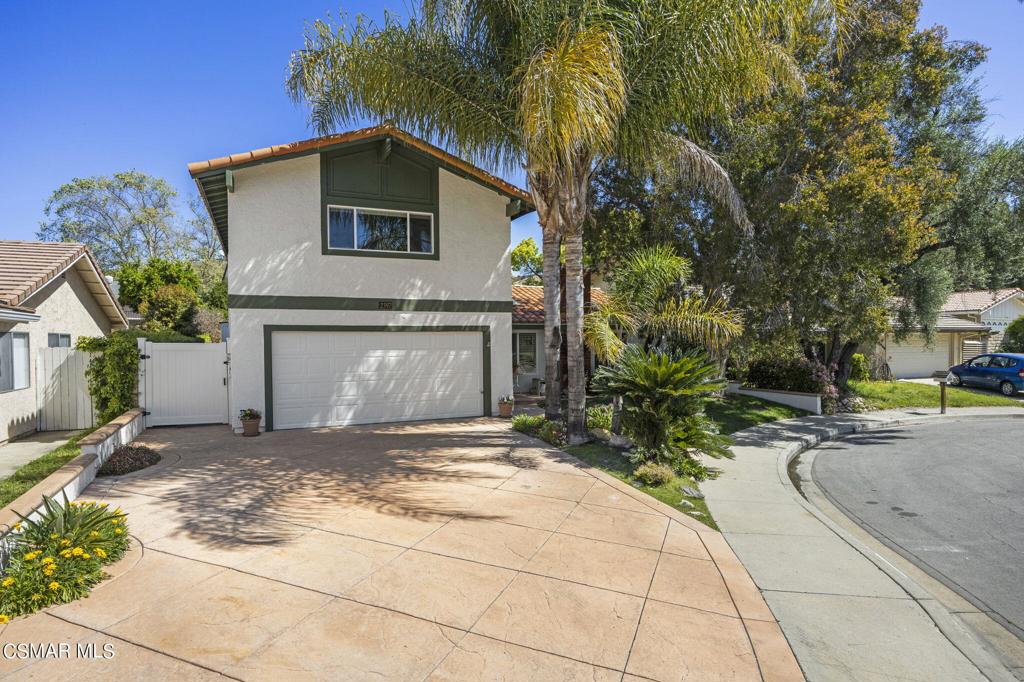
(32, 555)
(54, 536)
(54, 586)
(37, 596)
(65, 542)
(86, 556)
(100, 553)
(4, 620)
(7, 582)
(77, 551)
(118, 531)
(66, 553)
(47, 560)
(94, 534)
(17, 526)
(48, 571)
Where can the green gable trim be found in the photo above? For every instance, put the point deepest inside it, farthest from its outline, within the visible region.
(379, 174)
(426, 305)
(268, 354)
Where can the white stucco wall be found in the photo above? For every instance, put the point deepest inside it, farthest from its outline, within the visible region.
(275, 250)
(274, 242)
(66, 306)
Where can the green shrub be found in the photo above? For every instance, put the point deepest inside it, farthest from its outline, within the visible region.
(171, 306)
(654, 474)
(1013, 337)
(137, 282)
(112, 374)
(59, 555)
(599, 417)
(663, 400)
(128, 458)
(539, 427)
(859, 370)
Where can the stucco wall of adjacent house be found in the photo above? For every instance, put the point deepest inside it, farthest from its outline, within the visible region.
(274, 237)
(65, 306)
(245, 346)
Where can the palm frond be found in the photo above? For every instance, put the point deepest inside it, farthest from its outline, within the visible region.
(571, 96)
(693, 166)
(700, 319)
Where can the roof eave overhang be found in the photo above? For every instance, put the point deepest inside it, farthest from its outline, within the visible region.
(18, 316)
(97, 285)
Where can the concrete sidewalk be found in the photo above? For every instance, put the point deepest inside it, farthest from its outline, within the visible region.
(848, 613)
(17, 453)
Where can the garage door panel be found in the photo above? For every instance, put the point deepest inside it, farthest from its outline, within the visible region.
(913, 358)
(339, 378)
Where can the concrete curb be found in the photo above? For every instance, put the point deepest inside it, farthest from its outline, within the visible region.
(792, 445)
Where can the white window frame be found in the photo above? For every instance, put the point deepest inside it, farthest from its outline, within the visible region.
(355, 229)
(28, 361)
(518, 349)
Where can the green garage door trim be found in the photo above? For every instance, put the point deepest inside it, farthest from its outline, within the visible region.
(268, 363)
(426, 305)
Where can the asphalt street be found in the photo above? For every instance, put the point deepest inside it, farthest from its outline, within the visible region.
(949, 497)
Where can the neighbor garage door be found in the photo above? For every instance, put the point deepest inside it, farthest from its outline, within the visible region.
(334, 378)
(912, 359)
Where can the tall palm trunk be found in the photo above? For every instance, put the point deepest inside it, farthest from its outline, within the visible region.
(577, 428)
(552, 242)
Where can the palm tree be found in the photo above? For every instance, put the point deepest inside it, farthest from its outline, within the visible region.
(651, 301)
(556, 87)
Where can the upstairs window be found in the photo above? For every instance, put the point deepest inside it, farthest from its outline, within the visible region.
(374, 229)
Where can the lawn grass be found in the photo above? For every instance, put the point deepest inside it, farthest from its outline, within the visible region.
(731, 413)
(737, 412)
(28, 475)
(889, 395)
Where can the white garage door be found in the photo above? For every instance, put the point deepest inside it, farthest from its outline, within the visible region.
(330, 378)
(912, 359)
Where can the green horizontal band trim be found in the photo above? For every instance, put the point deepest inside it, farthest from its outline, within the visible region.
(427, 305)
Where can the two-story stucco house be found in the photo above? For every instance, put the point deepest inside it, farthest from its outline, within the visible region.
(368, 279)
(50, 295)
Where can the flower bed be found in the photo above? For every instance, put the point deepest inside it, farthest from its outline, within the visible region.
(58, 555)
(128, 458)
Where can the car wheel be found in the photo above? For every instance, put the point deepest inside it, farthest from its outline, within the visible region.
(1007, 388)
(954, 379)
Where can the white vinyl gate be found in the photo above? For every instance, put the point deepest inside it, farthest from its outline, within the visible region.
(183, 383)
(62, 393)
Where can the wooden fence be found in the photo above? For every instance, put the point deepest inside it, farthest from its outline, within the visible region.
(62, 393)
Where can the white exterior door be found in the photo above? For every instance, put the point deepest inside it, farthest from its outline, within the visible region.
(184, 383)
(912, 359)
(334, 378)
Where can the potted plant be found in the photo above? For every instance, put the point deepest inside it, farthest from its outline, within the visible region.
(505, 405)
(250, 419)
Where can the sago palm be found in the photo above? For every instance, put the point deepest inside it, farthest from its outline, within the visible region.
(555, 87)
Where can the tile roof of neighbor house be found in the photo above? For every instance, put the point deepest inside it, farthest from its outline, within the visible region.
(528, 303)
(977, 301)
(27, 267)
(384, 130)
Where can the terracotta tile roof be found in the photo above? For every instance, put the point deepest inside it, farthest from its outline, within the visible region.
(26, 267)
(528, 303)
(978, 300)
(314, 144)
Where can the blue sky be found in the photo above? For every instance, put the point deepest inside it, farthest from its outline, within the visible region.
(91, 88)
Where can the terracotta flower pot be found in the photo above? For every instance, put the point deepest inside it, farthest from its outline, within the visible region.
(250, 427)
(505, 410)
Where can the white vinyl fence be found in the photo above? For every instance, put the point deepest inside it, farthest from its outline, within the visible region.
(183, 383)
(62, 394)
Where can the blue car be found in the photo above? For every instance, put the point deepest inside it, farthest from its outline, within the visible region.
(1002, 371)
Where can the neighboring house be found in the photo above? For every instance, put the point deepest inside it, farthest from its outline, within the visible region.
(50, 294)
(528, 333)
(368, 279)
(971, 323)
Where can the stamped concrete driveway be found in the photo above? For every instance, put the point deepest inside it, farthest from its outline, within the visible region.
(433, 551)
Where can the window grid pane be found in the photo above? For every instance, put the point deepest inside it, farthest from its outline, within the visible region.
(365, 229)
